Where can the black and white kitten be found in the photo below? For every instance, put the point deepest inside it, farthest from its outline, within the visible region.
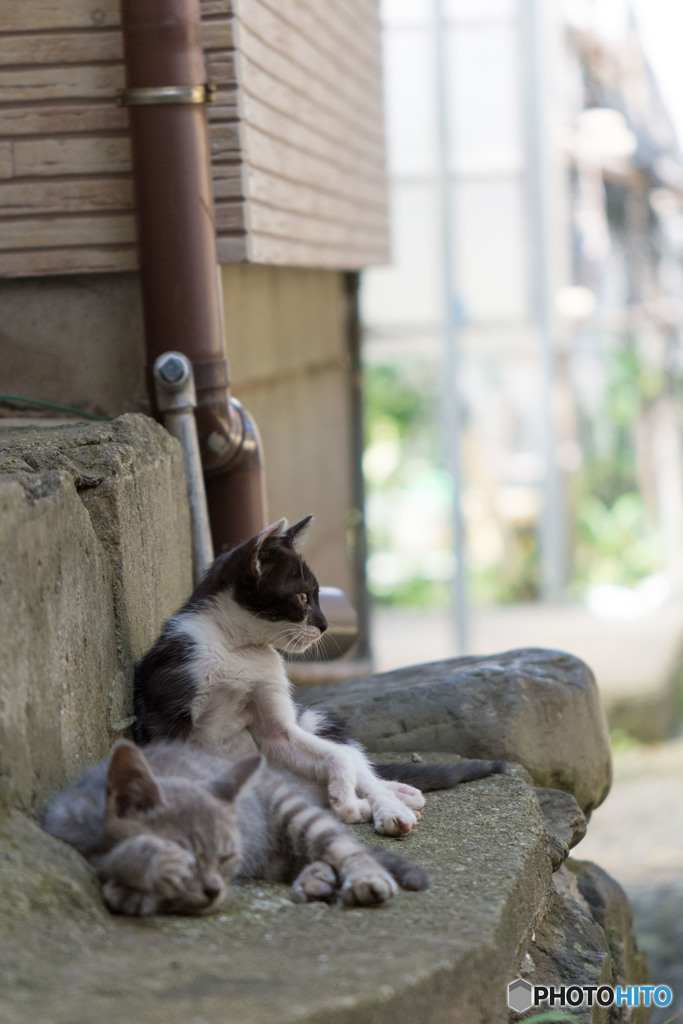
(215, 676)
(170, 828)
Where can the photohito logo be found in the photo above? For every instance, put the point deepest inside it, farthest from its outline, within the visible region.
(522, 996)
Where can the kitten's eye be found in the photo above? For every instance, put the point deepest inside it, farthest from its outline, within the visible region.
(302, 598)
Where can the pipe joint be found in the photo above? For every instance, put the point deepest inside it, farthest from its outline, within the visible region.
(229, 437)
(174, 382)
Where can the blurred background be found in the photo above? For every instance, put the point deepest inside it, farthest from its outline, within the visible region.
(523, 361)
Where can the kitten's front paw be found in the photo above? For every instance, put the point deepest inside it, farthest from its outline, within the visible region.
(411, 797)
(368, 885)
(394, 818)
(172, 871)
(351, 811)
(317, 881)
(133, 902)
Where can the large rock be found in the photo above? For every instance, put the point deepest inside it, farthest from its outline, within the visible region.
(540, 708)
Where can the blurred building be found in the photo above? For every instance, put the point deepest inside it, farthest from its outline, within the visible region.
(535, 184)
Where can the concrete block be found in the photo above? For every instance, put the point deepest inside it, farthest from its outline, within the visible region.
(59, 660)
(128, 473)
(77, 339)
(539, 708)
(95, 555)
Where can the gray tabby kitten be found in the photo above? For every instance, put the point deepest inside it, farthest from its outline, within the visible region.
(169, 829)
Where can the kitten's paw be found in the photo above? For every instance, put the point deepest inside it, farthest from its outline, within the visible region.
(394, 819)
(411, 797)
(367, 885)
(352, 811)
(317, 881)
(133, 902)
(171, 871)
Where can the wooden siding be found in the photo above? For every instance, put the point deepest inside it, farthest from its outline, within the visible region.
(296, 138)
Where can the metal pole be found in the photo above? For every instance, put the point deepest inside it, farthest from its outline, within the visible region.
(451, 404)
(177, 401)
(553, 555)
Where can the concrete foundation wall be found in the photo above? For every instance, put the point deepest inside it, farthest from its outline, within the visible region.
(75, 340)
(287, 343)
(95, 554)
(79, 340)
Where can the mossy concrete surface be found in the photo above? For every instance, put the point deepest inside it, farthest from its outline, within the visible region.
(94, 555)
(444, 955)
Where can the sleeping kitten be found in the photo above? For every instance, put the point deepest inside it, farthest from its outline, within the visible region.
(215, 677)
(169, 829)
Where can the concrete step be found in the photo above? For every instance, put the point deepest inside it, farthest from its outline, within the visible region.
(446, 954)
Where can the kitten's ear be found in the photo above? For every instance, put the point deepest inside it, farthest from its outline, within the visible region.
(228, 785)
(131, 786)
(274, 531)
(296, 535)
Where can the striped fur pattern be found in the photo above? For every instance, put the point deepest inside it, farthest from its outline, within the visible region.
(170, 827)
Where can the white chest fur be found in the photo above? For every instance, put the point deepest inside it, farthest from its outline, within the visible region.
(231, 666)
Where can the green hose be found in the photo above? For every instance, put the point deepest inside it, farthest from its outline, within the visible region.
(53, 405)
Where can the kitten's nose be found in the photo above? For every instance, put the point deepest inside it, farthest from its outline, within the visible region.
(212, 889)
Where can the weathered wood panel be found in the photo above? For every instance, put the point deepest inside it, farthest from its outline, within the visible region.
(274, 190)
(297, 165)
(43, 15)
(295, 133)
(67, 260)
(78, 156)
(39, 198)
(51, 232)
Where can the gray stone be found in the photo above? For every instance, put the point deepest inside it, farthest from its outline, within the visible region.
(610, 908)
(581, 941)
(569, 948)
(446, 954)
(540, 708)
(565, 821)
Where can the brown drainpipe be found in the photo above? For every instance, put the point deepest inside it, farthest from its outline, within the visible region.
(166, 95)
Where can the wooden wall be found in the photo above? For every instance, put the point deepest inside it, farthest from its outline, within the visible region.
(296, 135)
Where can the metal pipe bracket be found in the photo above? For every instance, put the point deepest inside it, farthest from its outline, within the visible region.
(166, 95)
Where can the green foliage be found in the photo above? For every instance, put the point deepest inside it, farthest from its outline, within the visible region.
(414, 593)
(615, 544)
(516, 579)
